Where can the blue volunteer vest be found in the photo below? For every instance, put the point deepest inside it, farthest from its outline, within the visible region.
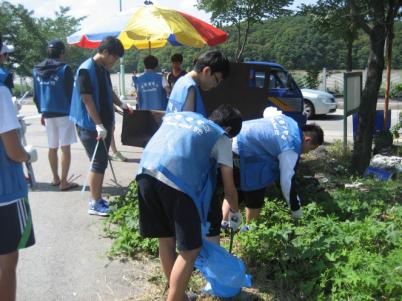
(3, 75)
(179, 93)
(181, 150)
(51, 93)
(260, 141)
(151, 94)
(78, 112)
(12, 181)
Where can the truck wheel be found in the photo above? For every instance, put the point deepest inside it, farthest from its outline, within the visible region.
(308, 110)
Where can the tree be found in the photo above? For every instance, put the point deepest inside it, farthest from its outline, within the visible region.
(20, 29)
(30, 35)
(376, 19)
(332, 16)
(242, 14)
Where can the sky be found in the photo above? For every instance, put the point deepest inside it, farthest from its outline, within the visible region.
(96, 9)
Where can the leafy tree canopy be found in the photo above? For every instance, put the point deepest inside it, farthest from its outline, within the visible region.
(30, 35)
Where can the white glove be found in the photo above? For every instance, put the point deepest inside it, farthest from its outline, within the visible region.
(33, 154)
(297, 214)
(126, 106)
(102, 132)
(235, 219)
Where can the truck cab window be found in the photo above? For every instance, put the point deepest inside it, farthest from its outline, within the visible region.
(256, 79)
(278, 79)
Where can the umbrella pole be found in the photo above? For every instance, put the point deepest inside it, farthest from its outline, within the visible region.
(122, 80)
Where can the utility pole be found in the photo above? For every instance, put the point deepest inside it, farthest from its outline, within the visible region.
(122, 71)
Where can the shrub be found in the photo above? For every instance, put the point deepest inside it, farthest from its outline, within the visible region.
(395, 91)
(122, 225)
(344, 255)
(348, 246)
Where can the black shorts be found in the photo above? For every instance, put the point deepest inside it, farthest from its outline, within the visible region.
(167, 212)
(88, 139)
(16, 230)
(215, 211)
(252, 199)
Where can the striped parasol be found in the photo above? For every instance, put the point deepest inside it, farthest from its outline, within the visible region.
(150, 26)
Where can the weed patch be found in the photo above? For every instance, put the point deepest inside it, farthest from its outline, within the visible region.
(348, 246)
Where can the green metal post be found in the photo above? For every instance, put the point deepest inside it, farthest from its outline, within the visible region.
(345, 115)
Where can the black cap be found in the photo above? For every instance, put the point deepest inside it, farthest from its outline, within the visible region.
(58, 45)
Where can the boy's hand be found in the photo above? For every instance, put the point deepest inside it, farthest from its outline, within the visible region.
(102, 132)
(126, 106)
(235, 219)
(33, 154)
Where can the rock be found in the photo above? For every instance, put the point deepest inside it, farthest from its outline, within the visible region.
(389, 163)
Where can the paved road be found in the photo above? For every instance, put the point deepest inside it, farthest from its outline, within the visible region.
(393, 104)
(69, 259)
(332, 123)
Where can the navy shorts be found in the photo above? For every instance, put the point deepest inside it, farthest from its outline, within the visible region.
(16, 230)
(252, 199)
(88, 139)
(167, 212)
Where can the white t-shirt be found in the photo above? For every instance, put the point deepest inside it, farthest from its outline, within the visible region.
(8, 118)
(287, 163)
(221, 152)
(8, 115)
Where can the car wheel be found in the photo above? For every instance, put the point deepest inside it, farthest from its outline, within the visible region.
(308, 110)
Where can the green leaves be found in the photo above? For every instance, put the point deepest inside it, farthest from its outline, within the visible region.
(348, 246)
(348, 255)
(30, 35)
(122, 225)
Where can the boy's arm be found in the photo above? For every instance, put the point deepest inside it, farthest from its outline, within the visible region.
(116, 99)
(91, 108)
(121, 104)
(231, 198)
(14, 150)
(229, 187)
(190, 100)
(69, 82)
(287, 166)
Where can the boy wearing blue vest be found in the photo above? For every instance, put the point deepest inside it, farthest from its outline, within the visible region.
(209, 70)
(176, 179)
(268, 149)
(151, 87)
(53, 85)
(16, 230)
(6, 77)
(93, 114)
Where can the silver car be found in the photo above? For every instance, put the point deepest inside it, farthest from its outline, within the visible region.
(317, 102)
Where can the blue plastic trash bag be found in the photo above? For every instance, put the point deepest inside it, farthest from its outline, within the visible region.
(225, 273)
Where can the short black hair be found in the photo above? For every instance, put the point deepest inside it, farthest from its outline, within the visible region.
(314, 131)
(177, 57)
(215, 60)
(150, 62)
(112, 45)
(227, 116)
(55, 48)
